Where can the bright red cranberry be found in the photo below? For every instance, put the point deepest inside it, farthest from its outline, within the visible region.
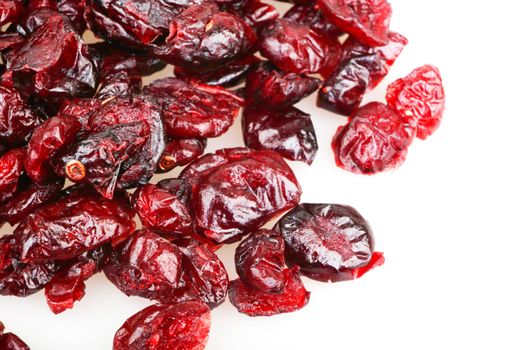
(183, 326)
(11, 167)
(253, 302)
(419, 98)
(310, 15)
(375, 140)
(179, 152)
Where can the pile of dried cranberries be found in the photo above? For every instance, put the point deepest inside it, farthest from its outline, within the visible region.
(77, 111)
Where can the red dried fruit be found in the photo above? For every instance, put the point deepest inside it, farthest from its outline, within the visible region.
(253, 303)
(419, 98)
(375, 140)
(74, 10)
(327, 241)
(76, 223)
(193, 110)
(146, 265)
(9, 40)
(254, 12)
(203, 39)
(269, 87)
(17, 121)
(183, 326)
(179, 152)
(11, 167)
(243, 193)
(311, 16)
(289, 132)
(296, 48)
(259, 261)
(366, 20)
(10, 11)
(9, 341)
(376, 260)
(120, 84)
(162, 211)
(68, 284)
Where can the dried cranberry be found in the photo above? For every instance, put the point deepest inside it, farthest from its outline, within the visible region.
(259, 261)
(10, 10)
(419, 99)
(177, 187)
(203, 39)
(74, 10)
(162, 211)
(9, 40)
(289, 132)
(11, 167)
(269, 87)
(254, 12)
(120, 84)
(310, 15)
(179, 152)
(81, 109)
(327, 241)
(68, 285)
(195, 110)
(242, 194)
(296, 48)
(253, 302)
(376, 139)
(78, 222)
(9, 341)
(366, 20)
(183, 326)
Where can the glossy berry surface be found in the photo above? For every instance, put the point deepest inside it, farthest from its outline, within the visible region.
(9, 341)
(11, 167)
(179, 152)
(312, 16)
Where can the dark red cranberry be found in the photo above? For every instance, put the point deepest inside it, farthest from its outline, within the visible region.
(81, 109)
(10, 11)
(310, 15)
(259, 261)
(11, 167)
(289, 132)
(194, 110)
(183, 326)
(366, 20)
(296, 48)
(254, 12)
(179, 152)
(119, 84)
(9, 40)
(74, 10)
(419, 98)
(253, 302)
(269, 87)
(9, 341)
(375, 140)
(327, 241)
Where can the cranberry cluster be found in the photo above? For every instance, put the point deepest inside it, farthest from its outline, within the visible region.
(77, 111)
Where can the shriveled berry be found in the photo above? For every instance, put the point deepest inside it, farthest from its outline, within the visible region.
(419, 98)
(259, 261)
(9, 341)
(327, 241)
(119, 84)
(288, 131)
(311, 16)
(10, 10)
(9, 40)
(191, 109)
(11, 167)
(179, 152)
(183, 326)
(254, 12)
(253, 302)
(366, 20)
(375, 140)
(296, 48)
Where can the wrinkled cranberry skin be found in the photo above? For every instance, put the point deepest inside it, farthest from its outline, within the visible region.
(253, 302)
(20, 279)
(10, 10)
(327, 241)
(254, 12)
(146, 265)
(419, 98)
(17, 121)
(72, 225)
(179, 152)
(259, 261)
(11, 167)
(120, 84)
(296, 48)
(311, 16)
(194, 110)
(241, 195)
(162, 211)
(289, 132)
(375, 140)
(183, 326)
(203, 39)
(269, 87)
(9, 341)
(366, 20)
(9, 40)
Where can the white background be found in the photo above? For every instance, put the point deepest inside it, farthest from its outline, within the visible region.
(450, 220)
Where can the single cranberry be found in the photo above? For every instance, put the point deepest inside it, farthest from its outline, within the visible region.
(9, 341)
(179, 152)
(313, 17)
(11, 167)
(120, 84)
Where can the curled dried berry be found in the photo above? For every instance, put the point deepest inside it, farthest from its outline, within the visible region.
(11, 167)
(162, 211)
(9, 341)
(239, 196)
(269, 87)
(9, 40)
(289, 132)
(183, 326)
(366, 20)
(119, 84)
(259, 261)
(146, 265)
(310, 15)
(296, 48)
(254, 12)
(253, 302)
(10, 10)
(375, 140)
(419, 98)
(327, 241)
(203, 39)
(179, 152)
(193, 109)
(74, 10)
(78, 222)
(68, 285)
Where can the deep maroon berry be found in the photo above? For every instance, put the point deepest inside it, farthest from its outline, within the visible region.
(311, 16)
(179, 152)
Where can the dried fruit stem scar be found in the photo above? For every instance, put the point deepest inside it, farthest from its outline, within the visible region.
(75, 170)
